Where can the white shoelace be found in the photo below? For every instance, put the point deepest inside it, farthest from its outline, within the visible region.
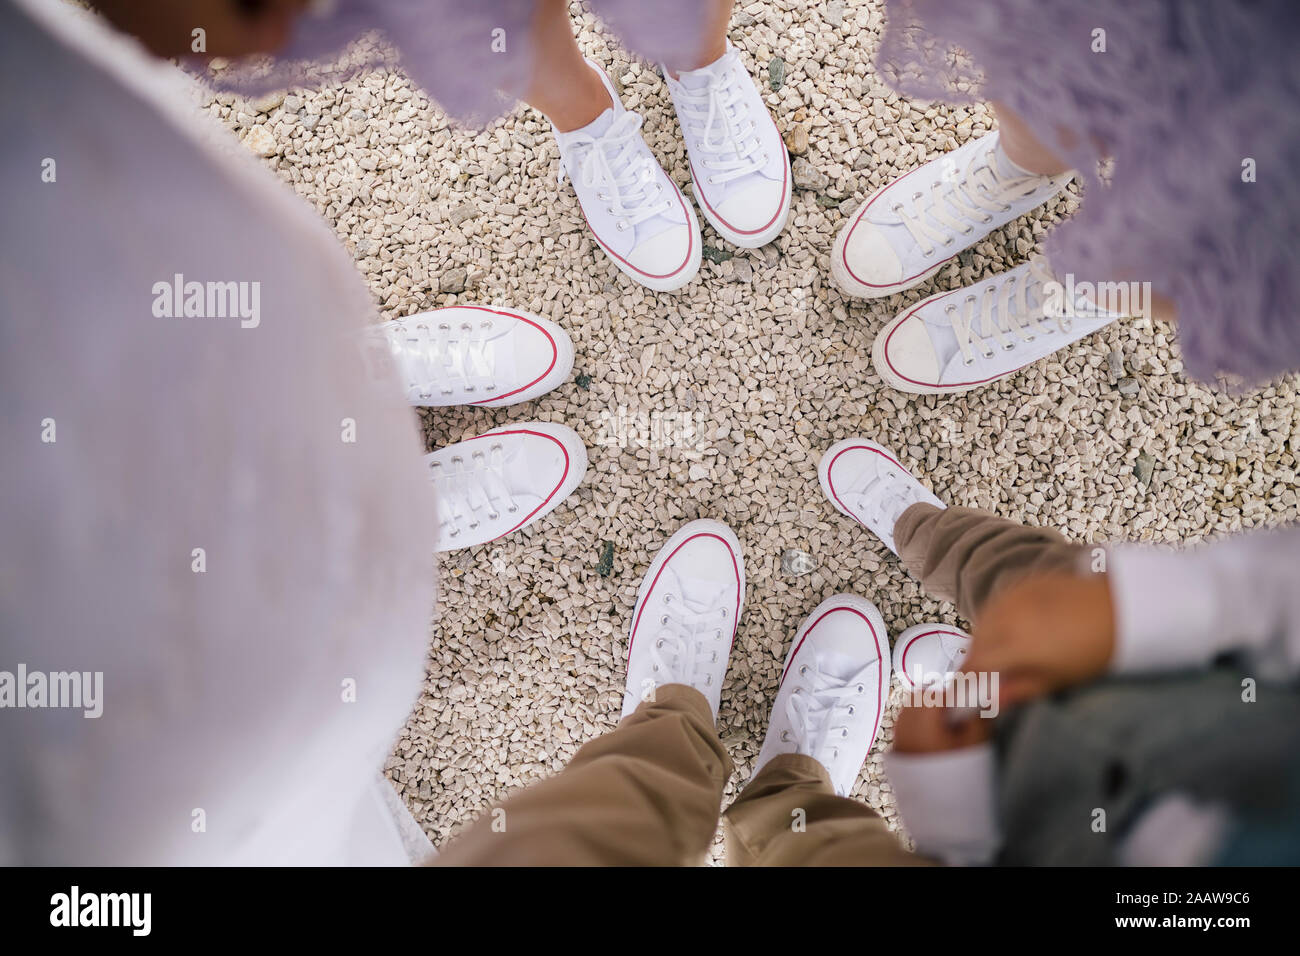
(975, 197)
(819, 706)
(1016, 320)
(691, 638)
(720, 106)
(618, 165)
(436, 358)
(882, 500)
(471, 488)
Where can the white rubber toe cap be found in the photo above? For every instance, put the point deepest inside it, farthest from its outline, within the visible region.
(904, 355)
(665, 257)
(870, 259)
(753, 208)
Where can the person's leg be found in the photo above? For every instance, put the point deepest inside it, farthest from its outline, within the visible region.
(964, 555)
(649, 792)
(790, 815)
(1023, 148)
(645, 794)
(713, 42)
(567, 90)
(564, 87)
(959, 554)
(825, 717)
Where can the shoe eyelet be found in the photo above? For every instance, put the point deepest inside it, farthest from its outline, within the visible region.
(495, 446)
(785, 736)
(852, 710)
(663, 619)
(708, 681)
(490, 388)
(803, 670)
(456, 459)
(473, 526)
(1008, 348)
(668, 599)
(968, 362)
(443, 327)
(454, 533)
(949, 241)
(512, 509)
(988, 219)
(493, 516)
(862, 689)
(659, 643)
(469, 388)
(968, 230)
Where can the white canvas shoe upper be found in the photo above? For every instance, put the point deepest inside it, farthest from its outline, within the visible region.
(476, 355)
(833, 690)
(739, 165)
(959, 340)
(686, 613)
(637, 214)
(865, 481)
(906, 231)
(927, 654)
(497, 482)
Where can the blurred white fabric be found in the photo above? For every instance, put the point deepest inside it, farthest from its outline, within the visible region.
(226, 690)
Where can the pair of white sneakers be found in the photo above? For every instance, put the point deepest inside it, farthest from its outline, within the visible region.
(835, 683)
(907, 231)
(740, 173)
(498, 482)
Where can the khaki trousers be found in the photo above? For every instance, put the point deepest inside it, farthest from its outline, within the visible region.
(648, 793)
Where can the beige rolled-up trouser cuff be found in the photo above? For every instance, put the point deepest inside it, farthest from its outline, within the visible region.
(648, 792)
(965, 555)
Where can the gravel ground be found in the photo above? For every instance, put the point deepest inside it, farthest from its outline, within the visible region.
(764, 357)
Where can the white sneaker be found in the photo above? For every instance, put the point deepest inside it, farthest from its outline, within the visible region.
(956, 341)
(477, 355)
(833, 690)
(908, 230)
(928, 654)
(497, 482)
(686, 614)
(740, 169)
(866, 482)
(637, 214)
